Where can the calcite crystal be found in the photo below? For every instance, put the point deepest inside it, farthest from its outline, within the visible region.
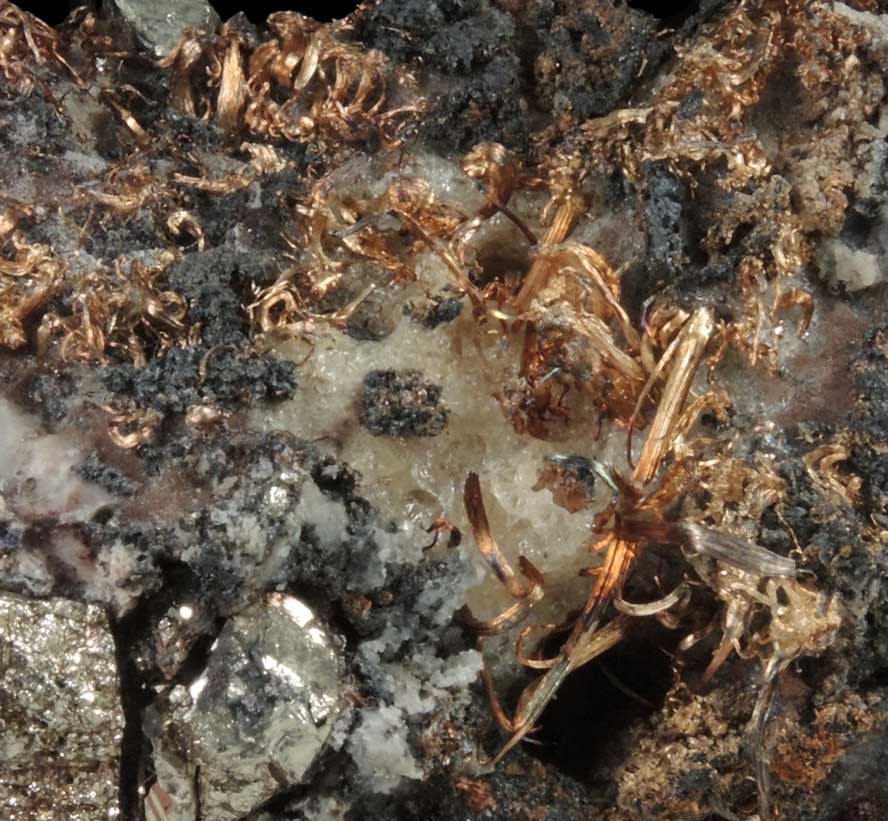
(61, 720)
(257, 717)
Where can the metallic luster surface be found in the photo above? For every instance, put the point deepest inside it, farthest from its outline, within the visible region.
(159, 24)
(256, 718)
(60, 715)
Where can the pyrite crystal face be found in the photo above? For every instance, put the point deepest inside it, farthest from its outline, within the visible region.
(158, 26)
(303, 323)
(61, 721)
(255, 719)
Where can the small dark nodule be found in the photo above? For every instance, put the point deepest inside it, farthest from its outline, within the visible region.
(438, 311)
(402, 403)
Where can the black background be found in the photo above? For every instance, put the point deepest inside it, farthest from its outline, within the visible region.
(55, 12)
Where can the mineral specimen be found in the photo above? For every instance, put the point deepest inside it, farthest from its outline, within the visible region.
(272, 290)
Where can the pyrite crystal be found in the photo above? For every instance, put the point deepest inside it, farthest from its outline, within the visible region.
(366, 384)
(61, 722)
(158, 26)
(255, 719)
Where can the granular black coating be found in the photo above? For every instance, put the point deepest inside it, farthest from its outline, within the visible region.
(230, 377)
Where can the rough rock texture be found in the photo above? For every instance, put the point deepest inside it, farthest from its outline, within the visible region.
(61, 720)
(470, 52)
(588, 55)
